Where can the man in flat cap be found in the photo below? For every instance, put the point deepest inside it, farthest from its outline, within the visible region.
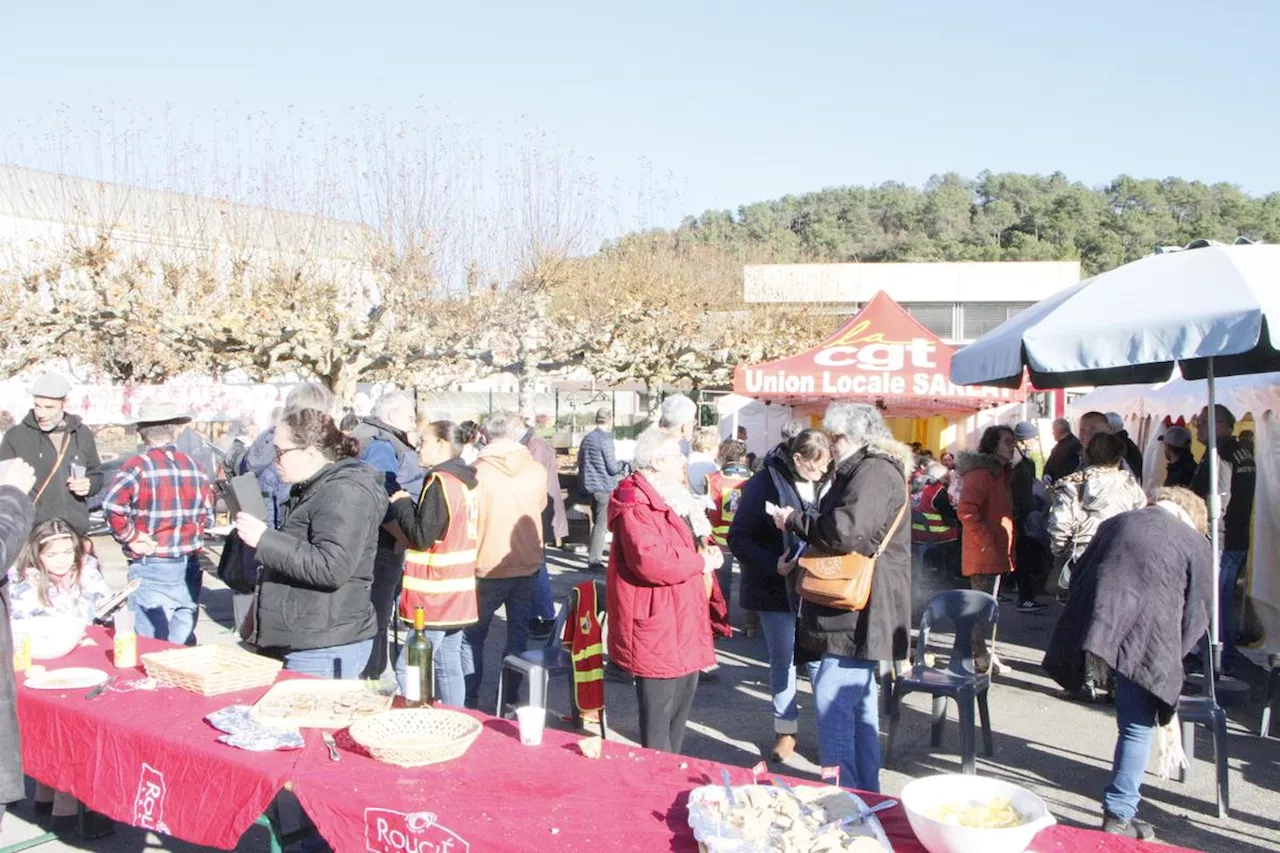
(158, 507)
(61, 449)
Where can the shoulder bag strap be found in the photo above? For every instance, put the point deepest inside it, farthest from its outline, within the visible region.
(62, 454)
(893, 528)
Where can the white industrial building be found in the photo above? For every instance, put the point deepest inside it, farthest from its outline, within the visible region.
(958, 302)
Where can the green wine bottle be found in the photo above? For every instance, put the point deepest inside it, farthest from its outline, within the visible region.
(419, 673)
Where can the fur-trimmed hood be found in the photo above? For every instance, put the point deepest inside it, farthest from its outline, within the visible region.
(966, 462)
(893, 450)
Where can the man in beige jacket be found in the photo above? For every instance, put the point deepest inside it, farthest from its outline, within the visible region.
(512, 493)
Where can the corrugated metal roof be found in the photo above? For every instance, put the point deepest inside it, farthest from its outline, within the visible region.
(136, 211)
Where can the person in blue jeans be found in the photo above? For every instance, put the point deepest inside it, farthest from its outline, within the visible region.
(1139, 601)
(511, 494)
(788, 477)
(157, 507)
(1237, 481)
(862, 512)
(313, 604)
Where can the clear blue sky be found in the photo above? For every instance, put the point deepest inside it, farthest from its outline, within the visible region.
(726, 102)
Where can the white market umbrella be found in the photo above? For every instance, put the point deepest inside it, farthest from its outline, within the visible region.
(1206, 309)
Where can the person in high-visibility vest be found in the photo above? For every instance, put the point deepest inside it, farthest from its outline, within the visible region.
(934, 526)
(724, 490)
(440, 565)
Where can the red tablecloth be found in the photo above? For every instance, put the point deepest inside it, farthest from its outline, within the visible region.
(504, 796)
(147, 758)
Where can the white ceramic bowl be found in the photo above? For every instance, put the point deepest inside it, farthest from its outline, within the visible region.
(52, 636)
(922, 795)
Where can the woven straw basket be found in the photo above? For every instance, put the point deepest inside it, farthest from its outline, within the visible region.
(211, 669)
(414, 737)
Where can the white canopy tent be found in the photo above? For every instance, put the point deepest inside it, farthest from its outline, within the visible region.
(1145, 408)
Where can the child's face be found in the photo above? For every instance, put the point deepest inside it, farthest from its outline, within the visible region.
(58, 556)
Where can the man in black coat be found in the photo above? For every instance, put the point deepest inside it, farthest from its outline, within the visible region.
(867, 498)
(63, 452)
(1065, 457)
(1139, 602)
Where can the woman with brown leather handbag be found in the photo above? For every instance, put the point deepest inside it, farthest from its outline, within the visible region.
(861, 514)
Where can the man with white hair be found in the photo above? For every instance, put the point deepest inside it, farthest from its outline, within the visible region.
(511, 494)
(386, 445)
(1067, 452)
(863, 512)
(1132, 455)
(679, 417)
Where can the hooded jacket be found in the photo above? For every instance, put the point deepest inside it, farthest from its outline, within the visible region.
(756, 541)
(555, 521)
(424, 521)
(1083, 501)
(512, 492)
(1237, 480)
(26, 441)
(317, 569)
(1140, 599)
(867, 491)
(986, 513)
(659, 621)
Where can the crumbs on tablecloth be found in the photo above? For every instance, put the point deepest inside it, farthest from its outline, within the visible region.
(555, 831)
(88, 641)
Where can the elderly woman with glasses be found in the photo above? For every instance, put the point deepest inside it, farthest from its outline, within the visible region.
(843, 647)
(659, 622)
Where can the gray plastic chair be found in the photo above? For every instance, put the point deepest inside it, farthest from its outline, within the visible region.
(539, 665)
(964, 610)
(1204, 710)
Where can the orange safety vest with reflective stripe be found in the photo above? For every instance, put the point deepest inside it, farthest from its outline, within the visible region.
(725, 490)
(442, 579)
(928, 527)
(585, 637)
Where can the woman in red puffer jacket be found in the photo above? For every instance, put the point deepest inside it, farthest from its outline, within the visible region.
(659, 623)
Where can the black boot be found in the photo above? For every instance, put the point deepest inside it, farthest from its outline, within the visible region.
(1134, 828)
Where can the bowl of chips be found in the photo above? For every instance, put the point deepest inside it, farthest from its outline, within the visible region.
(950, 813)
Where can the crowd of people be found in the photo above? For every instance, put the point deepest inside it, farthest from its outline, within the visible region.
(368, 520)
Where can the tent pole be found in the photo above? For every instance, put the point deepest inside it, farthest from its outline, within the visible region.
(1215, 512)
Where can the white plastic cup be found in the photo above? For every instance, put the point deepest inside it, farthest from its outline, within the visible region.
(531, 721)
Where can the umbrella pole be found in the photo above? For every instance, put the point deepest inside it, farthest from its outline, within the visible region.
(1215, 512)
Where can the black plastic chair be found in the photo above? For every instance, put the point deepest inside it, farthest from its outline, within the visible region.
(539, 665)
(964, 610)
(1204, 710)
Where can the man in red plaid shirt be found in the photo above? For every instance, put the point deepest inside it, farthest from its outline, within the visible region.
(157, 508)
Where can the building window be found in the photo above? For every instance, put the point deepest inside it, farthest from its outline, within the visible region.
(978, 318)
(937, 317)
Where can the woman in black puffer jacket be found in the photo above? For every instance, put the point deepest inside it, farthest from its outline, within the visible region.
(313, 606)
(789, 477)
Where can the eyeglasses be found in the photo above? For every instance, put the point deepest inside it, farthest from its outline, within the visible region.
(281, 451)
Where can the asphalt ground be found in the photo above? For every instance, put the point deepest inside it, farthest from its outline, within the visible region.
(1060, 749)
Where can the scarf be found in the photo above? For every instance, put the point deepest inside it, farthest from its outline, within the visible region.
(685, 504)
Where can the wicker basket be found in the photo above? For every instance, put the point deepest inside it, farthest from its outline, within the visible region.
(211, 669)
(413, 737)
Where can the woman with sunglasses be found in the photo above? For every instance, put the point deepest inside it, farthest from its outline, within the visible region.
(313, 606)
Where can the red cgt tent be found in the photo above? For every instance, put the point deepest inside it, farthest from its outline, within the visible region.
(882, 355)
